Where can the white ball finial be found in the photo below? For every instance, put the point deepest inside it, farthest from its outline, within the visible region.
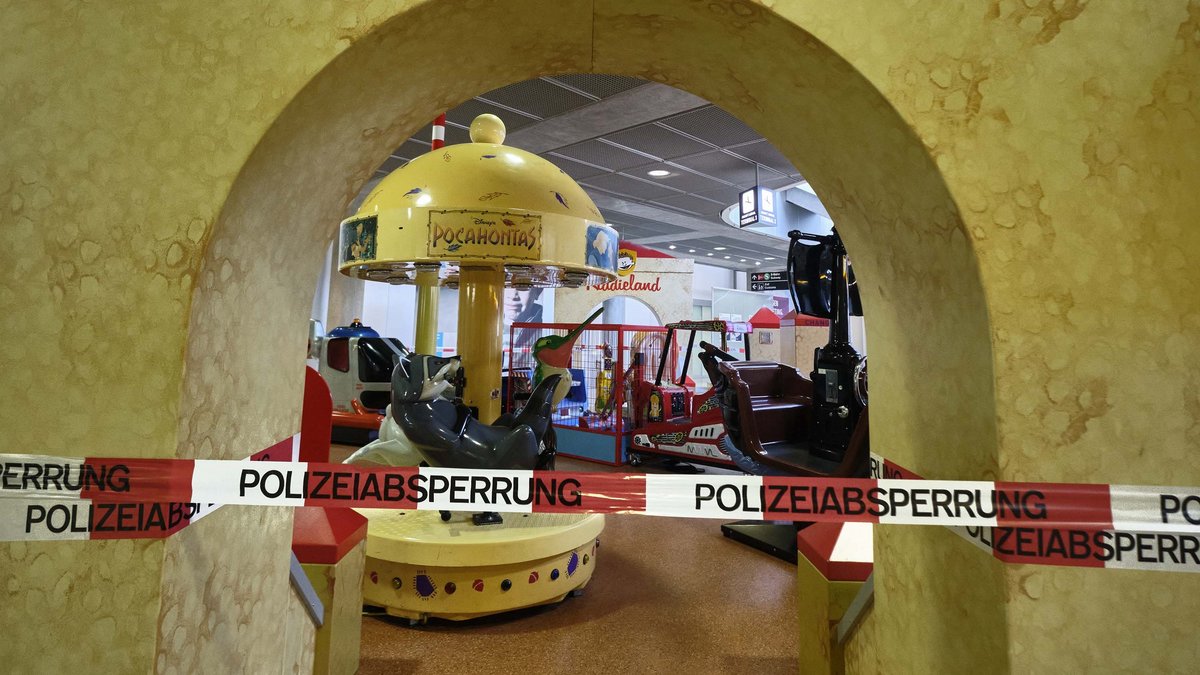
(487, 128)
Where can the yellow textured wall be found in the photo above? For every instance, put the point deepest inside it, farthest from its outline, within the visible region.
(298, 636)
(340, 589)
(1015, 180)
(1066, 131)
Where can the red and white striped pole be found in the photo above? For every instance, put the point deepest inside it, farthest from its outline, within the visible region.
(439, 132)
(427, 279)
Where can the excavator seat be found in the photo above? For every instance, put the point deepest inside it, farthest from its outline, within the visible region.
(768, 408)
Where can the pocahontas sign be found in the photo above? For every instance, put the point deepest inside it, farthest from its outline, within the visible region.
(485, 234)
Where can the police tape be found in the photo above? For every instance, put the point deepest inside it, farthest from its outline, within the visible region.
(1043, 523)
(1172, 547)
(69, 512)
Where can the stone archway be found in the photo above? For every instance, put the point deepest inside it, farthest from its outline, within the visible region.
(918, 273)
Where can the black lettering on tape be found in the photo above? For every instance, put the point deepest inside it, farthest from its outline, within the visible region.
(437, 485)
(879, 506)
(249, 479)
(734, 505)
(36, 513)
(499, 492)
(569, 493)
(897, 498)
(458, 486)
(853, 497)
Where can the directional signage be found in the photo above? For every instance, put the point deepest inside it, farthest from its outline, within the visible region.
(768, 276)
(749, 207)
(756, 206)
(768, 281)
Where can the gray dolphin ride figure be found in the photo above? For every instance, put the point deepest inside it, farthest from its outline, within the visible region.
(446, 434)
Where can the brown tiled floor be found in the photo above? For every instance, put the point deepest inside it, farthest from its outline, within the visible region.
(668, 596)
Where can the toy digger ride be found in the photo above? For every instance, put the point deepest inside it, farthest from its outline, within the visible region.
(668, 418)
(780, 422)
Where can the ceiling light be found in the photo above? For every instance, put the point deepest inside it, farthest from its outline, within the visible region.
(743, 260)
(672, 247)
(727, 257)
(658, 173)
(709, 254)
(757, 263)
(691, 250)
(768, 258)
(718, 248)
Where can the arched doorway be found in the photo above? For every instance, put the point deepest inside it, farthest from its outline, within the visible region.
(919, 278)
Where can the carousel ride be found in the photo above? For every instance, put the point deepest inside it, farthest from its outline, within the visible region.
(479, 217)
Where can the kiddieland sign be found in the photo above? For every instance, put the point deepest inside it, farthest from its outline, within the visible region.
(655, 278)
(485, 234)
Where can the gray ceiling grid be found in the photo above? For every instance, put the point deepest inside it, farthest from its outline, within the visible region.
(600, 86)
(660, 141)
(539, 98)
(710, 157)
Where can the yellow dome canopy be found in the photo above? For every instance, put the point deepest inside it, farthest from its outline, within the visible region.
(479, 203)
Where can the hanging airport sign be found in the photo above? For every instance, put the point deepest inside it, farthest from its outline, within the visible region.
(757, 207)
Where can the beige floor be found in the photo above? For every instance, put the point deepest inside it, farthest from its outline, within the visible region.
(668, 596)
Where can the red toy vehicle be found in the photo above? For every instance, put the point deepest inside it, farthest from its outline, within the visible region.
(667, 418)
(357, 365)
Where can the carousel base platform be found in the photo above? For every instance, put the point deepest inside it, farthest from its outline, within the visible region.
(419, 567)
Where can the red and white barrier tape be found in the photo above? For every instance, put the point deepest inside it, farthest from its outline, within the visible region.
(1130, 538)
(79, 506)
(1042, 523)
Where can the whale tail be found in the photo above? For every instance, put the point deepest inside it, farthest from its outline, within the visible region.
(537, 410)
(518, 449)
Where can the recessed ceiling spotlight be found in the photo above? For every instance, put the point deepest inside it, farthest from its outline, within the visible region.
(727, 257)
(718, 248)
(710, 254)
(672, 247)
(691, 250)
(658, 173)
(743, 260)
(757, 263)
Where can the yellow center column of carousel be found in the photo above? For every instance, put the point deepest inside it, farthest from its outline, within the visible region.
(427, 313)
(480, 290)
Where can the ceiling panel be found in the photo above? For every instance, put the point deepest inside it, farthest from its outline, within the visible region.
(456, 134)
(656, 140)
(713, 125)
(464, 114)
(655, 228)
(692, 204)
(537, 98)
(602, 154)
(724, 194)
(780, 182)
(632, 232)
(717, 163)
(764, 153)
(640, 189)
(679, 179)
(391, 164)
(576, 170)
(411, 149)
(600, 86)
